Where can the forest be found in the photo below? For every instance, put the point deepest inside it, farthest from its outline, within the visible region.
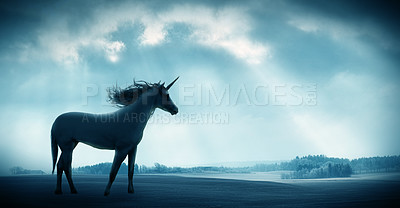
(312, 166)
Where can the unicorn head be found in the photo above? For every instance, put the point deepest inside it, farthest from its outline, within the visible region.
(124, 97)
(163, 101)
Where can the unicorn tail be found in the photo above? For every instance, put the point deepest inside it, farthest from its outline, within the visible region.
(54, 150)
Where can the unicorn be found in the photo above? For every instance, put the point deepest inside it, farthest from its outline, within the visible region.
(121, 130)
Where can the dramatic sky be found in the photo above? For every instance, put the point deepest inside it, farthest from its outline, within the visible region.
(259, 80)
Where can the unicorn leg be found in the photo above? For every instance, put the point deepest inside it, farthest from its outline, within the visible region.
(131, 168)
(67, 170)
(118, 159)
(59, 175)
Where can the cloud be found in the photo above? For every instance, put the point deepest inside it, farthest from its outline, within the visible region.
(346, 31)
(153, 34)
(371, 20)
(225, 28)
(112, 49)
(61, 51)
(63, 46)
(333, 28)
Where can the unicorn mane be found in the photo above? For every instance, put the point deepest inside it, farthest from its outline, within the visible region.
(122, 97)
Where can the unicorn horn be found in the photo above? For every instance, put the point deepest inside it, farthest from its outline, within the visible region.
(169, 86)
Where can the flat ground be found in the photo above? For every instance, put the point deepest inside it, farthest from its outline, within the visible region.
(177, 191)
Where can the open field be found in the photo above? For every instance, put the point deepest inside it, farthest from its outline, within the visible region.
(176, 191)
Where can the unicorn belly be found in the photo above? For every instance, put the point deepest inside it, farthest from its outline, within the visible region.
(95, 131)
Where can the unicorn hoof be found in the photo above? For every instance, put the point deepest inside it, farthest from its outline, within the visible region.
(58, 192)
(74, 191)
(131, 191)
(106, 193)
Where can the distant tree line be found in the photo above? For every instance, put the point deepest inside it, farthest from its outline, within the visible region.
(328, 170)
(99, 169)
(376, 164)
(312, 166)
(104, 168)
(20, 171)
(318, 166)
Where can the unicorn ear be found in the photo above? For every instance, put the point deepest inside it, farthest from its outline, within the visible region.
(163, 84)
(169, 86)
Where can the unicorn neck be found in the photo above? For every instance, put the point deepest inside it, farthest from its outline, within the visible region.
(142, 108)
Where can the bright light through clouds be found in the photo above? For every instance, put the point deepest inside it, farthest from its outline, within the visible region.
(293, 79)
(112, 49)
(224, 28)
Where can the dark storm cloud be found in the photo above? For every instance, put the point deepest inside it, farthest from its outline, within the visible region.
(383, 15)
(18, 21)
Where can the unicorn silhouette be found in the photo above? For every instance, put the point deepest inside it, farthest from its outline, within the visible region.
(121, 130)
